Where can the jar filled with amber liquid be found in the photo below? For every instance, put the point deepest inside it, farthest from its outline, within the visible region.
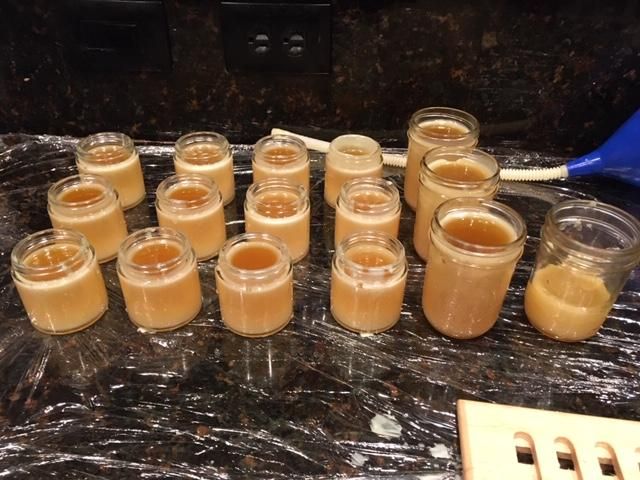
(447, 173)
(367, 204)
(59, 281)
(113, 155)
(475, 245)
(208, 154)
(192, 204)
(281, 156)
(430, 128)
(254, 281)
(159, 279)
(281, 208)
(90, 205)
(368, 279)
(350, 156)
(587, 251)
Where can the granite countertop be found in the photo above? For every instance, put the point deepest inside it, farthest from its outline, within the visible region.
(202, 402)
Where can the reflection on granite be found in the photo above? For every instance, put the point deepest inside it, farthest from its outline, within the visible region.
(554, 75)
(202, 402)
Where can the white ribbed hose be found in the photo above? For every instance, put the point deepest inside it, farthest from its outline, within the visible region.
(400, 161)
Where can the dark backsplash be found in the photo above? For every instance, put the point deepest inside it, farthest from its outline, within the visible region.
(549, 75)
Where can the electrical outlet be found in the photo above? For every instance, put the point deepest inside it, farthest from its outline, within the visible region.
(277, 37)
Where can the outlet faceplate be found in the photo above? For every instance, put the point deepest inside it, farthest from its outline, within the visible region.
(277, 37)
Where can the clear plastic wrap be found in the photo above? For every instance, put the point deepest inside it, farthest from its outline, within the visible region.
(313, 401)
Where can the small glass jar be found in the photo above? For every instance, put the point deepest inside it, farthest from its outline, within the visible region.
(587, 251)
(192, 204)
(475, 245)
(367, 204)
(368, 278)
(447, 173)
(281, 208)
(113, 156)
(254, 281)
(89, 205)
(59, 281)
(159, 279)
(430, 128)
(208, 154)
(281, 156)
(350, 156)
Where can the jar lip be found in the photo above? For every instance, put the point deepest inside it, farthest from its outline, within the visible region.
(480, 207)
(376, 239)
(178, 180)
(68, 183)
(257, 189)
(139, 238)
(85, 145)
(193, 138)
(233, 243)
(301, 155)
(373, 152)
(444, 113)
(596, 254)
(387, 187)
(460, 153)
(38, 240)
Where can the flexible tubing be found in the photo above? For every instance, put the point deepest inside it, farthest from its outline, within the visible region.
(400, 161)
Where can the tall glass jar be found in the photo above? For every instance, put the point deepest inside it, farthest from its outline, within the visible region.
(282, 209)
(367, 204)
(159, 279)
(350, 156)
(59, 281)
(192, 204)
(430, 128)
(368, 278)
(587, 251)
(447, 173)
(475, 245)
(281, 156)
(113, 156)
(89, 204)
(208, 154)
(254, 281)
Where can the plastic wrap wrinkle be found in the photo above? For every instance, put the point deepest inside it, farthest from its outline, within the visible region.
(202, 402)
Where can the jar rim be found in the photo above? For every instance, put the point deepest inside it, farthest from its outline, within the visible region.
(301, 155)
(61, 186)
(166, 186)
(257, 189)
(192, 138)
(139, 238)
(387, 187)
(444, 113)
(85, 145)
(399, 266)
(235, 242)
(448, 154)
(373, 152)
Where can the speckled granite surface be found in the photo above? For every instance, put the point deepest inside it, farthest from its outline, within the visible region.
(203, 403)
(558, 76)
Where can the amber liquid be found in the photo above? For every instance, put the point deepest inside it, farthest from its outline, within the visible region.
(109, 154)
(277, 204)
(281, 155)
(370, 257)
(443, 130)
(355, 151)
(461, 171)
(193, 195)
(81, 194)
(362, 202)
(155, 253)
(202, 154)
(254, 257)
(479, 230)
(51, 257)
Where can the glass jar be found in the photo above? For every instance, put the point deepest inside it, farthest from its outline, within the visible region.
(192, 204)
(254, 281)
(159, 279)
(367, 204)
(281, 208)
(475, 245)
(59, 281)
(113, 156)
(430, 128)
(89, 205)
(447, 173)
(281, 156)
(587, 251)
(350, 156)
(368, 278)
(208, 154)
